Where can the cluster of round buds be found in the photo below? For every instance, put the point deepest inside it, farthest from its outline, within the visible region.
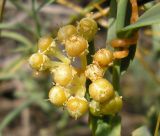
(104, 100)
(76, 38)
(69, 84)
(106, 108)
(69, 88)
(102, 59)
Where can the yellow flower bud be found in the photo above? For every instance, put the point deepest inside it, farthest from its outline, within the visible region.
(87, 28)
(76, 45)
(57, 95)
(39, 61)
(65, 32)
(94, 108)
(45, 44)
(111, 107)
(103, 57)
(94, 72)
(63, 74)
(77, 106)
(101, 90)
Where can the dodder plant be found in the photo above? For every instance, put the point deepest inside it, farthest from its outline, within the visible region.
(70, 90)
(86, 89)
(70, 83)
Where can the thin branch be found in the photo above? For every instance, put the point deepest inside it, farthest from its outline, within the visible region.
(35, 17)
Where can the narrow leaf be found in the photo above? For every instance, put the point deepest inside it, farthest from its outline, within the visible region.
(17, 37)
(152, 16)
(46, 2)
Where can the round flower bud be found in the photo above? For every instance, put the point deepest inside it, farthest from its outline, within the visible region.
(45, 44)
(63, 74)
(103, 57)
(77, 106)
(94, 108)
(65, 32)
(39, 61)
(111, 107)
(75, 45)
(101, 90)
(57, 96)
(87, 28)
(94, 72)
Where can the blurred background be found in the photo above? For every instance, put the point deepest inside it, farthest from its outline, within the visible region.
(24, 109)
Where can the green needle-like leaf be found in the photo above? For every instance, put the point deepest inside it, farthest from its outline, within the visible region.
(152, 16)
(17, 37)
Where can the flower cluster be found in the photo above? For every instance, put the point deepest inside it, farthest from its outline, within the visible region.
(69, 90)
(104, 99)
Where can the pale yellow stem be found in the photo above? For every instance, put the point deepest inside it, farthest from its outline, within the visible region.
(61, 57)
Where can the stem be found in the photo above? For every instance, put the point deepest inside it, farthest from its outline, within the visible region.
(61, 57)
(140, 2)
(91, 50)
(35, 17)
(53, 64)
(82, 11)
(92, 120)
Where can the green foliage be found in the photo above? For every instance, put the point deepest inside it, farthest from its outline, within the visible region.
(106, 126)
(150, 17)
(102, 128)
(118, 28)
(17, 37)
